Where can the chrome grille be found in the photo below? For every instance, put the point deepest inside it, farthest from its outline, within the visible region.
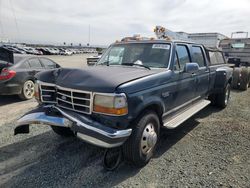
(71, 99)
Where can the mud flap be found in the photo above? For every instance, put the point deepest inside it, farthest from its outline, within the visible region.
(112, 158)
(23, 129)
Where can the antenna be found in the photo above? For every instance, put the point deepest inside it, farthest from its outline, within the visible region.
(89, 36)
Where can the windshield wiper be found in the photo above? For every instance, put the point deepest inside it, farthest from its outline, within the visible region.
(135, 64)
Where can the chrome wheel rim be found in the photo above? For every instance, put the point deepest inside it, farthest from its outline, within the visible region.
(149, 139)
(227, 96)
(29, 89)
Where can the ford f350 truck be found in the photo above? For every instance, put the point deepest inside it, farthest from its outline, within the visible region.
(138, 87)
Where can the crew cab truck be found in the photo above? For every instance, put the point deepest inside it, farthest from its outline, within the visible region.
(237, 52)
(137, 88)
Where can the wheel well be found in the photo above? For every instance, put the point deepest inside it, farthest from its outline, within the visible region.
(153, 107)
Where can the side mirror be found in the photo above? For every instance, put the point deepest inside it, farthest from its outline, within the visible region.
(191, 67)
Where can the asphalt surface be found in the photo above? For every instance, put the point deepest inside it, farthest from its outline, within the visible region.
(211, 149)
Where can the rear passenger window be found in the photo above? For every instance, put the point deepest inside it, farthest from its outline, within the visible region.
(35, 63)
(197, 56)
(24, 65)
(183, 55)
(48, 64)
(216, 58)
(219, 57)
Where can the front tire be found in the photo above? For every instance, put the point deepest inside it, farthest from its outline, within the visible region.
(63, 131)
(28, 90)
(140, 146)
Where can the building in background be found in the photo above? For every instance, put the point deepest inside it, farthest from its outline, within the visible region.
(211, 40)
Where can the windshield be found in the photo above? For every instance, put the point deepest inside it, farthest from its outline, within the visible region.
(143, 54)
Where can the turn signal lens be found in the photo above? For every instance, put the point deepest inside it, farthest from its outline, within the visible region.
(112, 111)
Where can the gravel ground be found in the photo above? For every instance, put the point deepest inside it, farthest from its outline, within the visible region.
(211, 149)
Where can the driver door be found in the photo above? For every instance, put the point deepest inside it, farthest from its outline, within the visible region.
(185, 82)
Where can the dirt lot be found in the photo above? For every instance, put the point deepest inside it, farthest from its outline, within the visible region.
(76, 61)
(211, 149)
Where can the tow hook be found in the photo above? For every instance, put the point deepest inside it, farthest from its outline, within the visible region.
(112, 158)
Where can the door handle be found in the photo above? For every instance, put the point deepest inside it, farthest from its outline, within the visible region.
(193, 74)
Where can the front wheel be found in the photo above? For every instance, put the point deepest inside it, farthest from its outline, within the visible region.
(140, 146)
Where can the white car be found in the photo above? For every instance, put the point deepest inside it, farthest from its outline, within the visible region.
(67, 52)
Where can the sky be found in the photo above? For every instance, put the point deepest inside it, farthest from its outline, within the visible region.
(58, 21)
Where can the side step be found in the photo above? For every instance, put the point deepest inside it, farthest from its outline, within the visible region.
(174, 121)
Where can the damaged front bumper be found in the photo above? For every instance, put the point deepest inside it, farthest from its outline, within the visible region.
(84, 127)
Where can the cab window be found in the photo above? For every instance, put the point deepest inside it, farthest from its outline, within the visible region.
(176, 63)
(198, 56)
(183, 55)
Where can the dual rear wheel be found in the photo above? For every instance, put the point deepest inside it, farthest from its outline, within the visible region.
(241, 78)
(221, 99)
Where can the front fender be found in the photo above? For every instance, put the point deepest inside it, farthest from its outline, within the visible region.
(141, 102)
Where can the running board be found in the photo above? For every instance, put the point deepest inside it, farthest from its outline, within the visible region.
(174, 121)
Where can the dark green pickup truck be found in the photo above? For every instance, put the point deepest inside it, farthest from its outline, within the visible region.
(137, 88)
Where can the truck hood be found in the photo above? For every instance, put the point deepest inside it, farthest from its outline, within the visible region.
(96, 79)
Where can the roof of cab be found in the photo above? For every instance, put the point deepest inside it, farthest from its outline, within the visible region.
(150, 40)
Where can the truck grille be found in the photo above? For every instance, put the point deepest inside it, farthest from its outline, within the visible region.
(71, 99)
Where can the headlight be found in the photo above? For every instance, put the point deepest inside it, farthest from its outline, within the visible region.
(37, 92)
(113, 104)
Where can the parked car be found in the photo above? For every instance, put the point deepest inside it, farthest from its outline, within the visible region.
(67, 52)
(17, 73)
(14, 49)
(32, 51)
(135, 89)
(92, 60)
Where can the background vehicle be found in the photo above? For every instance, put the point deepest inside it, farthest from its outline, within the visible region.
(93, 59)
(17, 74)
(237, 52)
(137, 87)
